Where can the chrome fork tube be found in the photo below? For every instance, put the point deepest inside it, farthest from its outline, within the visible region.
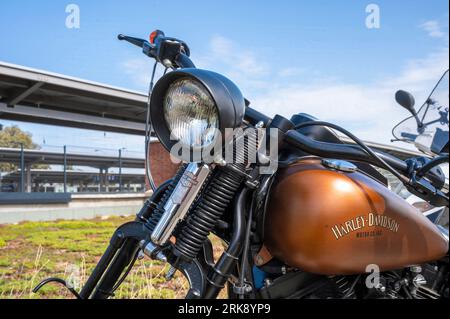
(180, 201)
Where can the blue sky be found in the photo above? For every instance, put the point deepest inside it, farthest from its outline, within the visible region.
(287, 56)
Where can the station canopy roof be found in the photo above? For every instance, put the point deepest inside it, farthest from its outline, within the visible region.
(48, 98)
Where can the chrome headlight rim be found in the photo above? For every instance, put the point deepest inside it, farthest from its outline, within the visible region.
(227, 97)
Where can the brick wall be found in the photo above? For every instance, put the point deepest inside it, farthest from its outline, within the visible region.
(161, 165)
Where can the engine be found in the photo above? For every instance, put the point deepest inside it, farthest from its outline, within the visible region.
(427, 281)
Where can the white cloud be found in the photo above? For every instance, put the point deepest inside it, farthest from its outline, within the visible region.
(240, 64)
(369, 111)
(420, 72)
(433, 28)
(234, 57)
(140, 70)
(291, 72)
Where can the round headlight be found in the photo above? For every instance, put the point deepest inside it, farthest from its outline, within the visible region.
(191, 109)
(190, 113)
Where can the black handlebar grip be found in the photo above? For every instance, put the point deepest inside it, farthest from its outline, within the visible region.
(136, 41)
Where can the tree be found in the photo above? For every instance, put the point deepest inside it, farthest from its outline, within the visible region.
(14, 137)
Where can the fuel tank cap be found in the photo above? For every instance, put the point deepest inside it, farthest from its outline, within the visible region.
(340, 165)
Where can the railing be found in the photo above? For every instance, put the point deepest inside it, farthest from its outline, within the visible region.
(118, 170)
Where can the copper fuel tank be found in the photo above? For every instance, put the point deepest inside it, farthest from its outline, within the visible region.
(332, 222)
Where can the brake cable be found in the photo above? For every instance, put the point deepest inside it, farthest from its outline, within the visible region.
(126, 273)
(402, 178)
(148, 132)
(59, 281)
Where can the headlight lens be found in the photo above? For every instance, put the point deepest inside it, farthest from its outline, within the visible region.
(190, 113)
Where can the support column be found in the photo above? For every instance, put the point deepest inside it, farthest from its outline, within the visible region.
(120, 170)
(106, 180)
(65, 169)
(22, 169)
(28, 180)
(100, 180)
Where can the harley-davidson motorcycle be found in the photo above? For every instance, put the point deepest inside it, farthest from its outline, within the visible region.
(302, 213)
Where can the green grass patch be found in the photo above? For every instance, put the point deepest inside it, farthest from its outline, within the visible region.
(32, 251)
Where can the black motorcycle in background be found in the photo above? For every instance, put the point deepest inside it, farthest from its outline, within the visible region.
(279, 244)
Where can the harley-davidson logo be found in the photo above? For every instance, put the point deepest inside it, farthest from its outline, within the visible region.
(361, 222)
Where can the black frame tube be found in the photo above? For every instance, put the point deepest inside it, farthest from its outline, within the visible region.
(183, 61)
(254, 116)
(219, 274)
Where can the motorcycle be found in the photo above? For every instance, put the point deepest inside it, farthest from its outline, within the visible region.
(302, 213)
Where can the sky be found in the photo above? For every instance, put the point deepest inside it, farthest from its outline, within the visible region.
(317, 57)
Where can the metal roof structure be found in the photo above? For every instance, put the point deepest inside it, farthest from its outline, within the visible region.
(37, 96)
(13, 155)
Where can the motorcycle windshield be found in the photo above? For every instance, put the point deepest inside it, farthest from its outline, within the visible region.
(432, 136)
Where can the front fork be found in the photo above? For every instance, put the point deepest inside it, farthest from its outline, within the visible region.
(109, 269)
(121, 251)
(120, 254)
(206, 279)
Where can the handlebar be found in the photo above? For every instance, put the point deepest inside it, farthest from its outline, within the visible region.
(170, 52)
(341, 151)
(415, 183)
(174, 53)
(323, 149)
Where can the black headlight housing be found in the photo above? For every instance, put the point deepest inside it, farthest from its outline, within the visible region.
(226, 95)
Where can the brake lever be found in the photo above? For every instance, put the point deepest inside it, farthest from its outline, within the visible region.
(425, 190)
(170, 52)
(147, 48)
(422, 184)
(419, 167)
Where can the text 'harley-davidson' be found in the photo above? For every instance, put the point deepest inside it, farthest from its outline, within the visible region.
(303, 213)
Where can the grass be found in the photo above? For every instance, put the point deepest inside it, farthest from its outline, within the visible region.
(32, 251)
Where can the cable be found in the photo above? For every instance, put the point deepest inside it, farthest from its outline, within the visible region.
(59, 281)
(125, 274)
(244, 261)
(357, 141)
(148, 132)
